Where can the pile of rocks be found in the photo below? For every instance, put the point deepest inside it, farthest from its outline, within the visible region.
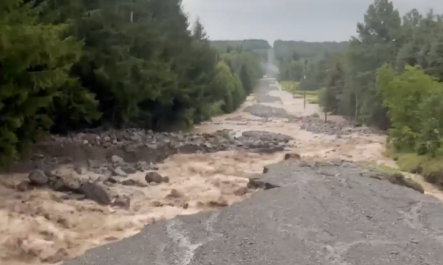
(114, 155)
(263, 111)
(80, 188)
(269, 137)
(267, 99)
(317, 125)
(135, 145)
(311, 124)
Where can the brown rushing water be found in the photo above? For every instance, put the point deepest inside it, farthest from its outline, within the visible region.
(39, 227)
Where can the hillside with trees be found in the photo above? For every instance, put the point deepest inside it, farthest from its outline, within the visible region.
(71, 65)
(391, 76)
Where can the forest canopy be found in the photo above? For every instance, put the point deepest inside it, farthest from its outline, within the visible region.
(71, 65)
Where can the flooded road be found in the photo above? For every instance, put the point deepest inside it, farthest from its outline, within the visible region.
(40, 226)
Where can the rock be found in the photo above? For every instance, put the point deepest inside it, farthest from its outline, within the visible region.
(149, 147)
(123, 202)
(117, 160)
(241, 191)
(153, 177)
(220, 202)
(24, 186)
(118, 171)
(165, 179)
(264, 111)
(292, 156)
(258, 184)
(157, 204)
(58, 184)
(267, 136)
(79, 170)
(72, 184)
(133, 182)
(65, 184)
(73, 196)
(129, 169)
(94, 192)
(38, 177)
(207, 135)
(141, 166)
(112, 180)
(175, 194)
(265, 169)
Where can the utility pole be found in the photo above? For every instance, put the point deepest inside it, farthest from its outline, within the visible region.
(131, 15)
(304, 90)
(325, 108)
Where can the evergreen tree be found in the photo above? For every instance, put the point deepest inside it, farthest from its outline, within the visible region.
(35, 60)
(70, 65)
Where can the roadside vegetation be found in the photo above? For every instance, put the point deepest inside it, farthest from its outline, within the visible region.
(389, 75)
(71, 65)
(294, 88)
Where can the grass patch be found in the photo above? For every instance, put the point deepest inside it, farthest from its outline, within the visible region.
(289, 86)
(311, 96)
(394, 176)
(308, 92)
(431, 168)
(401, 180)
(292, 87)
(312, 100)
(380, 168)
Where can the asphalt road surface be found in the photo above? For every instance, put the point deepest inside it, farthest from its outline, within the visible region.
(320, 215)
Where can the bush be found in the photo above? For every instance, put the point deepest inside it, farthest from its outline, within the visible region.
(413, 101)
(412, 98)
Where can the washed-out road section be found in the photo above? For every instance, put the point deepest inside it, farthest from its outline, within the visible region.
(320, 213)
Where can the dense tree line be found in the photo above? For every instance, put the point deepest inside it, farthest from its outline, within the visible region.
(391, 76)
(305, 50)
(250, 44)
(68, 65)
(259, 48)
(305, 62)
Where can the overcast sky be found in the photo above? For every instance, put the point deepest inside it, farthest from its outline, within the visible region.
(309, 20)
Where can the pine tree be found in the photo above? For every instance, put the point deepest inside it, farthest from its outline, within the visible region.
(377, 42)
(35, 60)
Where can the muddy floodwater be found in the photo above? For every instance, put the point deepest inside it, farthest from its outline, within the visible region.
(43, 226)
